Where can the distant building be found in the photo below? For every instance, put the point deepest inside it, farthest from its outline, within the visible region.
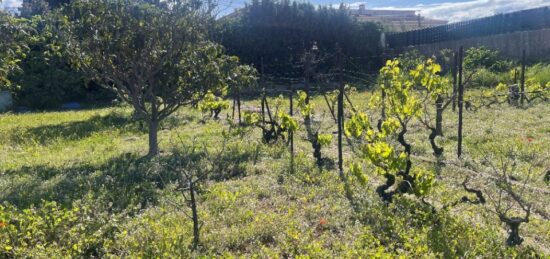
(395, 20)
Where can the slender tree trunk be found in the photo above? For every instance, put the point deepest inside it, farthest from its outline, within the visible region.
(195, 215)
(153, 137)
(153, 128)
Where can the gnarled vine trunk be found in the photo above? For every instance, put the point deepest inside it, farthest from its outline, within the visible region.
(407, 184)
(438, 151)
(381, 190)
(513, 224)
(313, 139)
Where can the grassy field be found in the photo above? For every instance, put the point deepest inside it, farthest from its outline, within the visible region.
(76, 184)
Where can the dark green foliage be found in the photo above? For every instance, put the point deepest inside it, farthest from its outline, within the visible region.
(485, 68)
(410, 59)
(57, 3)
(43, 78)
(12, 47)
(31, 8)
(486, 78)
(157, 58)
(483, 57)
(281, 32)
(46, 79)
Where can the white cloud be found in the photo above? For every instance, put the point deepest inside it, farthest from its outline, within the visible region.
(454, 12)
(468, 10)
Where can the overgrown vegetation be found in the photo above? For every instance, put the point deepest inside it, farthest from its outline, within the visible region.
(250, 205)
(81, 183)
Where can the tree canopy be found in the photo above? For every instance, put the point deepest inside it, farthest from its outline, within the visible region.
(281, 32)
(12, 47)
(156, 57)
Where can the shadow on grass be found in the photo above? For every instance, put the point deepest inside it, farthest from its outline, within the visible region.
(75, 130)
(124, 181)
(72, 131)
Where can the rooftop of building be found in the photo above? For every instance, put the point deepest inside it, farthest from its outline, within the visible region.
(395, 20)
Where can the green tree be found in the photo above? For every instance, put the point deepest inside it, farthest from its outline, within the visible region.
(13, 47)
(45, 78)
(157, 58)
(280, 31)
(31, 8)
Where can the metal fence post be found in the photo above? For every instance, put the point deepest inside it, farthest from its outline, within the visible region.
(460, 99)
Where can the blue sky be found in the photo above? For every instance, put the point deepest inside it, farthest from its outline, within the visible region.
(452, 10)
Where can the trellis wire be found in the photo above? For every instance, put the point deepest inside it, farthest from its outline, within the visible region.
(339, 74)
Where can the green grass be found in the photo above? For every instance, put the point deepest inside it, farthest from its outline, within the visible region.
(109, 201)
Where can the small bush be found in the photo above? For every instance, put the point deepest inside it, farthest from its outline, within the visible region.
(540, 73)
(50, 230)
(485, 78)
(482, 57)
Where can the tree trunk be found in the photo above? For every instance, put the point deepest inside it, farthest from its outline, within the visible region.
(153, 138)
(514, 238)
(438, 151)
(381, 190)
(195, 215)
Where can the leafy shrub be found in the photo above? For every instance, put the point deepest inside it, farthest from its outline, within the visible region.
(410, 59)
(213, 104)
(540, 73)
(155, 233)
(50, 230)
(482, 57)
(45, 79)
(13, 47)
(485, 78)
(324, 139)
